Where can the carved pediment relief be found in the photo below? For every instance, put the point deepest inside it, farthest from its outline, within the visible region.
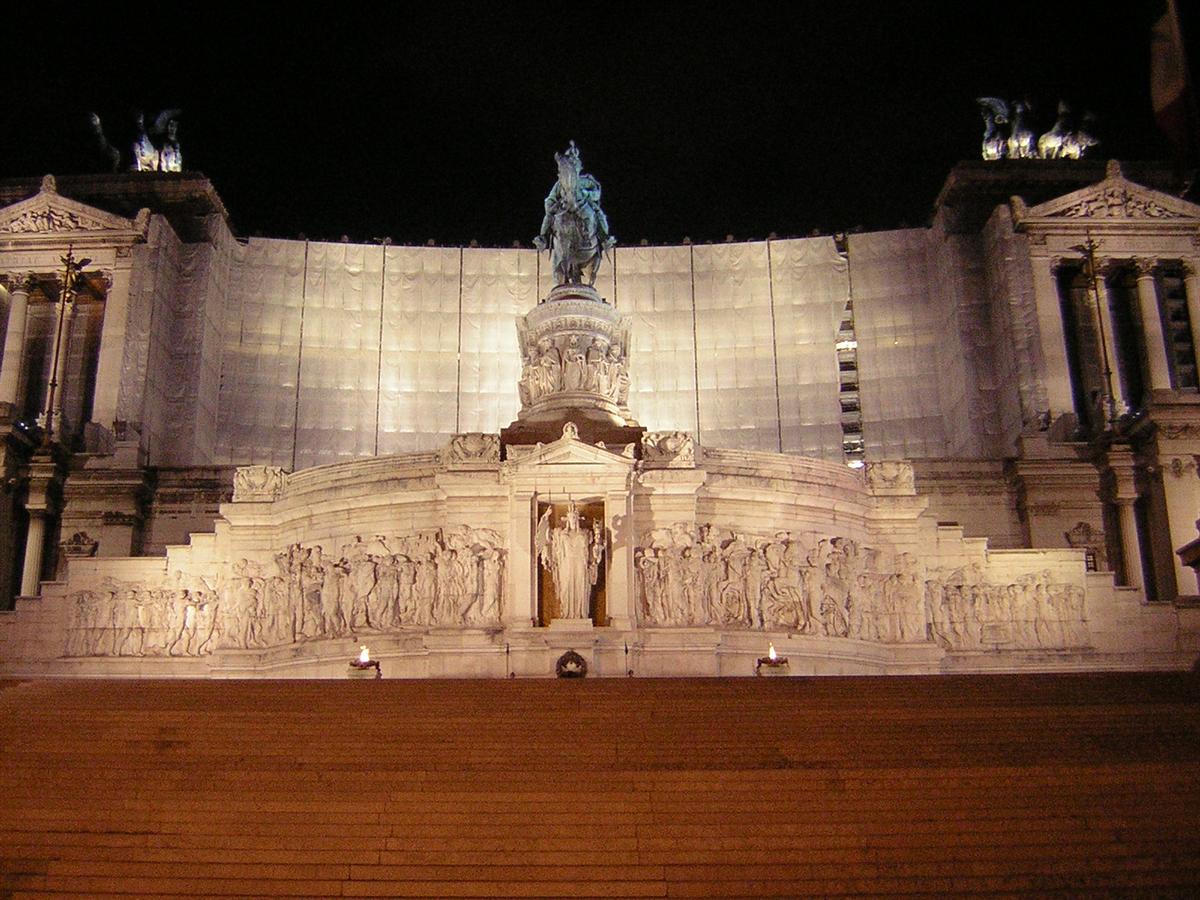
(1116, 198)
(48, 213)
(569, 450)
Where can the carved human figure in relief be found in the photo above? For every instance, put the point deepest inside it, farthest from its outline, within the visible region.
(572, 554)
(574, 227)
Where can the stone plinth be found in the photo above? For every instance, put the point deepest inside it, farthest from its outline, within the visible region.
(574, 348)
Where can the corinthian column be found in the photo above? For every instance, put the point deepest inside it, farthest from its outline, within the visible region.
(1191, 286)
(1156, 350)
(14, 338)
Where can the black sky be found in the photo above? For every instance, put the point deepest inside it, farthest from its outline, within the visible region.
(748, 120)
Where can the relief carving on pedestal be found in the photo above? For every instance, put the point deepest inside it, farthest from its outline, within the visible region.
(452, 577)
(79, 546)
(890, 476)
(258, 483)
(1091, 540)
(472, 447)
(575, 363)
(670, 448)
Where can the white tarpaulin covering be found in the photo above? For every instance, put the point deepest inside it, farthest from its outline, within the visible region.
(418, 369)
(898, 337)
(257, 419)
(734, 341)
(810, 290)
(339, 359)
(405, 346)
(498, 286)
(655, 288)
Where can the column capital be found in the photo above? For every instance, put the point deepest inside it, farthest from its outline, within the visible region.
(19, 281)
(1191, 267)
(1145, 266)
(1107, 265)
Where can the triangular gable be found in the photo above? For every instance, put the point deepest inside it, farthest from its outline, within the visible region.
(1116, 198)
(48, 212)
(570, 451)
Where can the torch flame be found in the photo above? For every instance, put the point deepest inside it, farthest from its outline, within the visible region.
(771, 652)
(364, 655)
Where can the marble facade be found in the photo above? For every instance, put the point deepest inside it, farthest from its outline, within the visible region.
(1025, 526)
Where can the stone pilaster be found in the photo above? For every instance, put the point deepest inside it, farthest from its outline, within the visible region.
(112, 346)
(1055, 373)
(620, 586)
(41, 504)
(1124, 493)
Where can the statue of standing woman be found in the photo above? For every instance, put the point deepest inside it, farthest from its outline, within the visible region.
(572, 554)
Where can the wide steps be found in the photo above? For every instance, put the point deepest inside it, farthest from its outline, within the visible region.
(1074, 784)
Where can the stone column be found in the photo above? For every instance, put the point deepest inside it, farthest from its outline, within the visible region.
(1191, 286)
(1055, 373)
(1156, 348)
(1124, 495)
(1108, 345)
(35, 541)
(112, 347)
(620, 584)
(14, 338)
(41, 504)
(522, 562)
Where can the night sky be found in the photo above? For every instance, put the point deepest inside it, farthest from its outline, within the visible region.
(746, 121)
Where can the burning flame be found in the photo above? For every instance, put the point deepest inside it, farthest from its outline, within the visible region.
(771, 654)
(364, 655)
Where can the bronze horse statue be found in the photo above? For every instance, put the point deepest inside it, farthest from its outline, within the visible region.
(574, 222)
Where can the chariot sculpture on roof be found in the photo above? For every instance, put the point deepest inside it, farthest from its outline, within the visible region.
(575, 227)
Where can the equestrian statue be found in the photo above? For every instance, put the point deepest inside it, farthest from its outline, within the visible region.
(575, 227)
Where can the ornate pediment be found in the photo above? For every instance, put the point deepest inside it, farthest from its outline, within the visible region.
(49, 213)
(1115, 199)
(569, 450)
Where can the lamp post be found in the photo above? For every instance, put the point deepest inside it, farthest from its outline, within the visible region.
(1088, 248)
(71, 276)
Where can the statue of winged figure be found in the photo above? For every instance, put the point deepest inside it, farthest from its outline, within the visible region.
(574, 227)
(572, 555)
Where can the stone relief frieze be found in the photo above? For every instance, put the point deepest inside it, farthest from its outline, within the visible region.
(1179, 432)
(1182, 466)
(258, 483)
(1117, 202)
(832, 586)
(48, 220)
(448, 577)
(671, 448)
(967, 612)
(572, 363)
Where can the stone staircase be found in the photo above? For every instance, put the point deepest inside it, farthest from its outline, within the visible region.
(1073, 784)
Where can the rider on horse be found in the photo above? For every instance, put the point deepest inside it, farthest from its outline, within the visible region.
(574, 226)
